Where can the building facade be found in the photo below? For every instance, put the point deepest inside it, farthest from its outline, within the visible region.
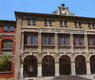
(49, 45)
(7, 49)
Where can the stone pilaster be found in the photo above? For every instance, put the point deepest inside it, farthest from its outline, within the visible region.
(21, 71)
(39, 42)
(22, 43)
(56, 69)
(73, 68)
(86, 42)
(56, 42)
(39, 69)
(71, 43)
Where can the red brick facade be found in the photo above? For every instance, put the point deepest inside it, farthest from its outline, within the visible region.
(9, 35)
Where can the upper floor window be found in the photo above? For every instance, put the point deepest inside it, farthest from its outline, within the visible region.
(91, 40)
(63, 40)
(50, 22)
(29, 21)
(45, 22)
(33, 21)
(5, 28)
(78, 40)
(65, 23)
(78, 25)
(48, 39)
(11, 28)
(61, 23)
(7, 44)
(31, 39)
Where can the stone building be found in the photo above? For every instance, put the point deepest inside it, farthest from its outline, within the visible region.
(7, 49)
(49, 45)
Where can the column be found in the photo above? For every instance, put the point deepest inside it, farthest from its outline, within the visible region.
(73, 68)
(88, 66)
(71, 43)
(21, 71)
(56, 42)
(86, 42)
(56, 69)
(39, 69)
(22, 43)
(39, 43)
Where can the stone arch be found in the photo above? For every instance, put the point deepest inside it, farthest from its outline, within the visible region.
(30, 66)
(65, 65)
(92, 64)
(80, 65)
(48, 66)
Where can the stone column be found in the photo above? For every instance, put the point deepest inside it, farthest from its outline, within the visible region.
(56, 42)
(22, 39)
(71, 43)
(86, 42)
(21, 71)
(39, 43)
(56, 69)
(39, 69)
(73, 68)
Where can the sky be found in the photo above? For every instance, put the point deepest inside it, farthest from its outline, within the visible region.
(84, 8)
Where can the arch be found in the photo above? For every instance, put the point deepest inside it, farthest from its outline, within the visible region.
(65, 65)
(80, 65)
(92, 64)
(30, 66)
(48, 66)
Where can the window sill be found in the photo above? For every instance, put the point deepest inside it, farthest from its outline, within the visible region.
(66, 46)
(30, 45)
(48, 45)
(7, 49)
(6, 72)
(79, 46)
(91, 46)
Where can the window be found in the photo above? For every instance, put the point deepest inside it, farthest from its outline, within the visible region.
(64, 40)
(78, 40)
(61, 23)
(4, 28)
(11, 28)
(91, 40)
(47, 39)
(33, 21)
(45, 22)
(29, 21)
(76, 25)
(31, 39)
(65, 23)
(80, 25)
(7, 44)
(50, 22)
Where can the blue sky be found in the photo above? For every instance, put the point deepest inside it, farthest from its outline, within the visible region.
(84, 8)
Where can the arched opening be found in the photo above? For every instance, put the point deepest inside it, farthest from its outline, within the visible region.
(30, 66)
(92, 64)
(65, 65)
(48, 66)
(80, 65)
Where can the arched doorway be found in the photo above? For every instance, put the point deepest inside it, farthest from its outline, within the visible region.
(64, 65)
(48, 66)
(92, 64)
(80, 65)
(30, 66)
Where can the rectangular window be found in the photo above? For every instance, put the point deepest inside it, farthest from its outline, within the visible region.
(91, 40)
(45, 22)
(5, 28)
(47, 40)
(65, 23)
(61, 23)
(50, 22)
(80, 24)
(64, 40)
(29, 21)
(28, 39)
(76, 25)
(34, 21)
(78, 40)
(11, 28)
